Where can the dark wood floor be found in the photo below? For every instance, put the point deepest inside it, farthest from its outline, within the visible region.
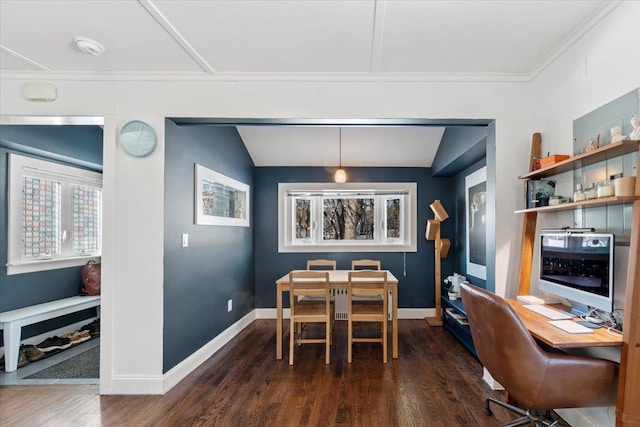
(435, 382)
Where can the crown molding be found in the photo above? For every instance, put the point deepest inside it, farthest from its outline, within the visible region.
(268, 77)
(597, 16)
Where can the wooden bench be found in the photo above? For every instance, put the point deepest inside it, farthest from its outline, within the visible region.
(11, 322)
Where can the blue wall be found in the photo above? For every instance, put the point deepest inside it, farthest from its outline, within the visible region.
(415, 288)
(218, 265)
(460, 147)
(72, 145)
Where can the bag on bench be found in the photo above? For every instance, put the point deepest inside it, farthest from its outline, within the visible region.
(90, 274)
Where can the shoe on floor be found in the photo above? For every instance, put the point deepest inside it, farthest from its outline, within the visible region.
(93, 328)
(54, 343)
(22, 359)
(32, 352)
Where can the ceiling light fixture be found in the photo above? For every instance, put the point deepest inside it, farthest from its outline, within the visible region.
(341, 175)
(87, 45)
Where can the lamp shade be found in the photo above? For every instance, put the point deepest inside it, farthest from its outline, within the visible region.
(340, 176)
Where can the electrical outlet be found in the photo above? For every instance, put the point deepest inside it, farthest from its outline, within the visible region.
(229, 305)
(185, 240)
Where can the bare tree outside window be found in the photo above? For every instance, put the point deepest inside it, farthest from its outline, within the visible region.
(348, 219)
(393, 218)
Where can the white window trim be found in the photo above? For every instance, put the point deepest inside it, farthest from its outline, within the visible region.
(18, 165)
(202, 173)
(285, 226)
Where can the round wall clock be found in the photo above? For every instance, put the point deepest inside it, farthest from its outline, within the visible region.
(138, 138)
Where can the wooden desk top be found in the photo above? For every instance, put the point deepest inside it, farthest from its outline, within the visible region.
(339, 277)
(540, 328)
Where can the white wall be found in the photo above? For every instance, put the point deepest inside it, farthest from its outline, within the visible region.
(600, 67)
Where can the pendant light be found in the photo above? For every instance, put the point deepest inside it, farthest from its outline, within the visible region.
(341, 175)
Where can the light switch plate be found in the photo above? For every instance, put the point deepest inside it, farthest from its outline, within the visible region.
(185, 240)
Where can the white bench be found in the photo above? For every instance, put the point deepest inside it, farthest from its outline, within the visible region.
(11, 322)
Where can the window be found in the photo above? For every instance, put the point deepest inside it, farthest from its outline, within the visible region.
(55, 215)
(220, 200)
(354, 217)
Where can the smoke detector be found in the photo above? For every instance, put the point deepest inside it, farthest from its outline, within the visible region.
(87, 45)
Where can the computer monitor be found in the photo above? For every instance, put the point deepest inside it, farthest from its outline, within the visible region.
(579, 267)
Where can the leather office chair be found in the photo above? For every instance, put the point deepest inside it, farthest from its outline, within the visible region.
(315, 284)
(536, 379)
(368, 283)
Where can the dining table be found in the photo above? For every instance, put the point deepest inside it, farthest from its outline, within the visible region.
(338, 279)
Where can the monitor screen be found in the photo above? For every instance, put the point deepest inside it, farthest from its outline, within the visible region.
(578, 267)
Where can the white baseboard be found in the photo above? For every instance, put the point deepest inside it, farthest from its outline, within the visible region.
(129, 384)
(56, 332)
(188, 365)
(403, 313)
(486, 376)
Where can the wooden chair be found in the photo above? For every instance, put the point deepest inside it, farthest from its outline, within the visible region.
(368, 283)
(323, 264)
(366, 264)
(313, 284)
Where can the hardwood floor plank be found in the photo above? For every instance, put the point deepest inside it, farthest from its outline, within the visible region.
(435, 382)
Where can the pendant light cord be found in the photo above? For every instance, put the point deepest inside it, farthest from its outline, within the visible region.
(340, 129)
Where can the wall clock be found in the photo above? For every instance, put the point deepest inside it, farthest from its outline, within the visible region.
(138, 139)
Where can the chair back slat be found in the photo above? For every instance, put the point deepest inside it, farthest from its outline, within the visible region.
(324, 264)
(368, 264)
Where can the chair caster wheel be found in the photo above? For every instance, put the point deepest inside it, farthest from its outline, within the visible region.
(487, 411)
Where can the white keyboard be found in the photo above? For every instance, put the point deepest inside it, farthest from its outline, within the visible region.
(549, 312)
(571, 327)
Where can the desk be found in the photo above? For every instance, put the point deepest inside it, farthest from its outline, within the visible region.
(339, 280)
(540, 328)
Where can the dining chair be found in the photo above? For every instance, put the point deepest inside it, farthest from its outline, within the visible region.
(321, 264)
(367, 283)
(365, 264)
(314, 284)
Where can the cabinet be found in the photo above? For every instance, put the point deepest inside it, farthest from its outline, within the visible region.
(627, 409)
(454, 320)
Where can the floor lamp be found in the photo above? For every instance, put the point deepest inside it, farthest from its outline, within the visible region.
(442, 250)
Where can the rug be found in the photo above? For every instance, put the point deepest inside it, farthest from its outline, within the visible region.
(83, 365)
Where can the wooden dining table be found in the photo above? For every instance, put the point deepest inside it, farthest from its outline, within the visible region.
(339, 279)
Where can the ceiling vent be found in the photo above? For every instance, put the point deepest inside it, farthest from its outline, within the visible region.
(87, 45)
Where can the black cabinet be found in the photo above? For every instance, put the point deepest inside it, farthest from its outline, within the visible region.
(454, 320)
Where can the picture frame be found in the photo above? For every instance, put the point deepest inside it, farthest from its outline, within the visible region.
(220, 200)
(476, 226)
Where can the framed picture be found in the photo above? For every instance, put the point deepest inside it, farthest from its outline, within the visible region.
(220, 200)
(476, 217)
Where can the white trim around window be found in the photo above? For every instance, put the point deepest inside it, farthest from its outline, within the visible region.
(387, 217)
(55, 215)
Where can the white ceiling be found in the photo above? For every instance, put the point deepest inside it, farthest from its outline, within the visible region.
(290, 40)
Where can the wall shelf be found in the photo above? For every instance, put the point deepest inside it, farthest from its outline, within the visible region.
(606, 152)
(615, 200)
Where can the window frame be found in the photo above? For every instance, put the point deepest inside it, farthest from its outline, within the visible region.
(317, 192)
(68, 177)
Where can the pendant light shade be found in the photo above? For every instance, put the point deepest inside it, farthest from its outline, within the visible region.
(340, 175)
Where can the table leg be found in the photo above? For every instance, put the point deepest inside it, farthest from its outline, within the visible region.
(394, 320)
(11, 336)
(279, 322)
